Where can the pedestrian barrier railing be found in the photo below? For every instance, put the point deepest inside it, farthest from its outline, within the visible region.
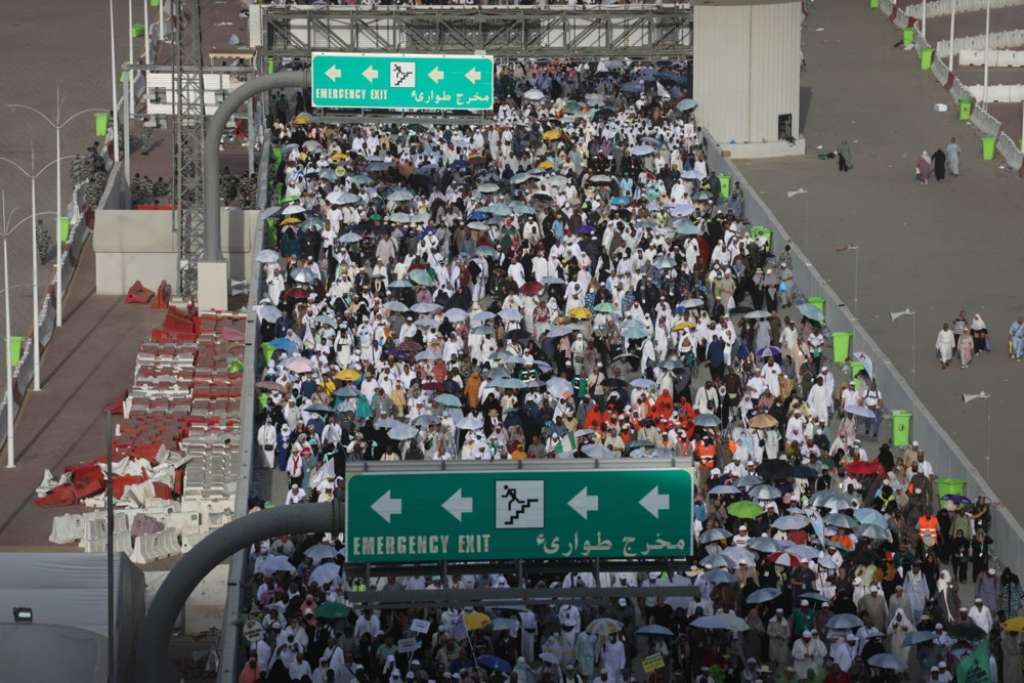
(983, 121)
(996, 40)
(239, 571)
(946, 457)
(943, 8)
(70, 253)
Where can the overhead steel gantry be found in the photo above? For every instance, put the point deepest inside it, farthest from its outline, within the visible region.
(639, 31)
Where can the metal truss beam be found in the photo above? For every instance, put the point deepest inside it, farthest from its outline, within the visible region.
(653, 31)
(512, 598)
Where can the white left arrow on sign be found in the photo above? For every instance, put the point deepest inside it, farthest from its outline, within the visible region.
(655, 502)
(370, 74)
(473, 75)
(386, 506)
(436, 75)
(333, 72)
(458, 505)
(584, 504)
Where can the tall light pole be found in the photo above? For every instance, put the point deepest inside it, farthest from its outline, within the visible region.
(924, 19)
(807, 222)
(988, 23)
(967, 398)
(952, 29)
(113, 83)
(57, 124)
(32, 176)
(9, 365)
(6, 231)
(896, 315)
(855, 248)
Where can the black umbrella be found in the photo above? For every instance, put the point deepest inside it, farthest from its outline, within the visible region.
(775, 469)
(966, 630)
(518, 335)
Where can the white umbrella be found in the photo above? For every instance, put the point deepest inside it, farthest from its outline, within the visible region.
(456, 315)
(402, 432)
(533, 95)
(470, 423)
(299, 364)
(321, 552)
(271, 564)
(325, 573)
(558, 386)
(293, 209)
(269, 313)
(268, 256)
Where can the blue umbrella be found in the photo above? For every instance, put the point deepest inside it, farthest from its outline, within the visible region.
(763, 595)
(284, 344)
(870, 516)
(811, 312)
(494, 664)
(844, 621)
(448, 400)
(654, 630)
(686, 105)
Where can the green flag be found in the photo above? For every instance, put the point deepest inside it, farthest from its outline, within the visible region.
(974, 668)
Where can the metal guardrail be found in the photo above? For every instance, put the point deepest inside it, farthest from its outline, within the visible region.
(71, 252)
(946, 457)
(233, 654)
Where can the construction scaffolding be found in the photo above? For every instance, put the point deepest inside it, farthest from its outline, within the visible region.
(190, 134)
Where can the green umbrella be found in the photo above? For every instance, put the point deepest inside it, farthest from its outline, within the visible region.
(422, 277)
(606, 307)
(332, 610)
(745, 509)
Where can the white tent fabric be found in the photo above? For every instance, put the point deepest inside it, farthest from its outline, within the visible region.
(70, 589)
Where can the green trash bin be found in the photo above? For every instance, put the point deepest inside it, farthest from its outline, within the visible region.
(154, 3)
(15, 349)
(841, 346)
(270, 65)
(138, 30)
(901, 427)
(926, 58)
(268, 352)
(725, 185)
(65, 229)
(760, 232)
(102, 119)
(818, 303)
(855, 369)
(966, 109)
(988, 148)
(908, 37)
(950, 487)
(873, 4)
(277, 155)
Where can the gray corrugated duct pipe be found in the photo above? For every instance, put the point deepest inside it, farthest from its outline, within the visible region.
(151, 658)
(211, 150)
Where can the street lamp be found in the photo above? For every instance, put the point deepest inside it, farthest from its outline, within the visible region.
(57, 124)
(952, 33)
(807, 223)
(6, 231)
(896, 315)
(32, 176)
(967, 398)
(113, 83)
(855, 248)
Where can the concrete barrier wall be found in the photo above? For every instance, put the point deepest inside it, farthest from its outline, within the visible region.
(998, 93)
(141, 245)
(945, 455)
(996, 40)
(943, 8)
(239, 571)
(996, 58)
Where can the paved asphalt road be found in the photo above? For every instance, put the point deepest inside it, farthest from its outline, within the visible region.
(935, 248)
(46, 44)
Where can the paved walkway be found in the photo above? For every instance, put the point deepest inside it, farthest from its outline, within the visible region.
(89, 363)
(935, 248)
